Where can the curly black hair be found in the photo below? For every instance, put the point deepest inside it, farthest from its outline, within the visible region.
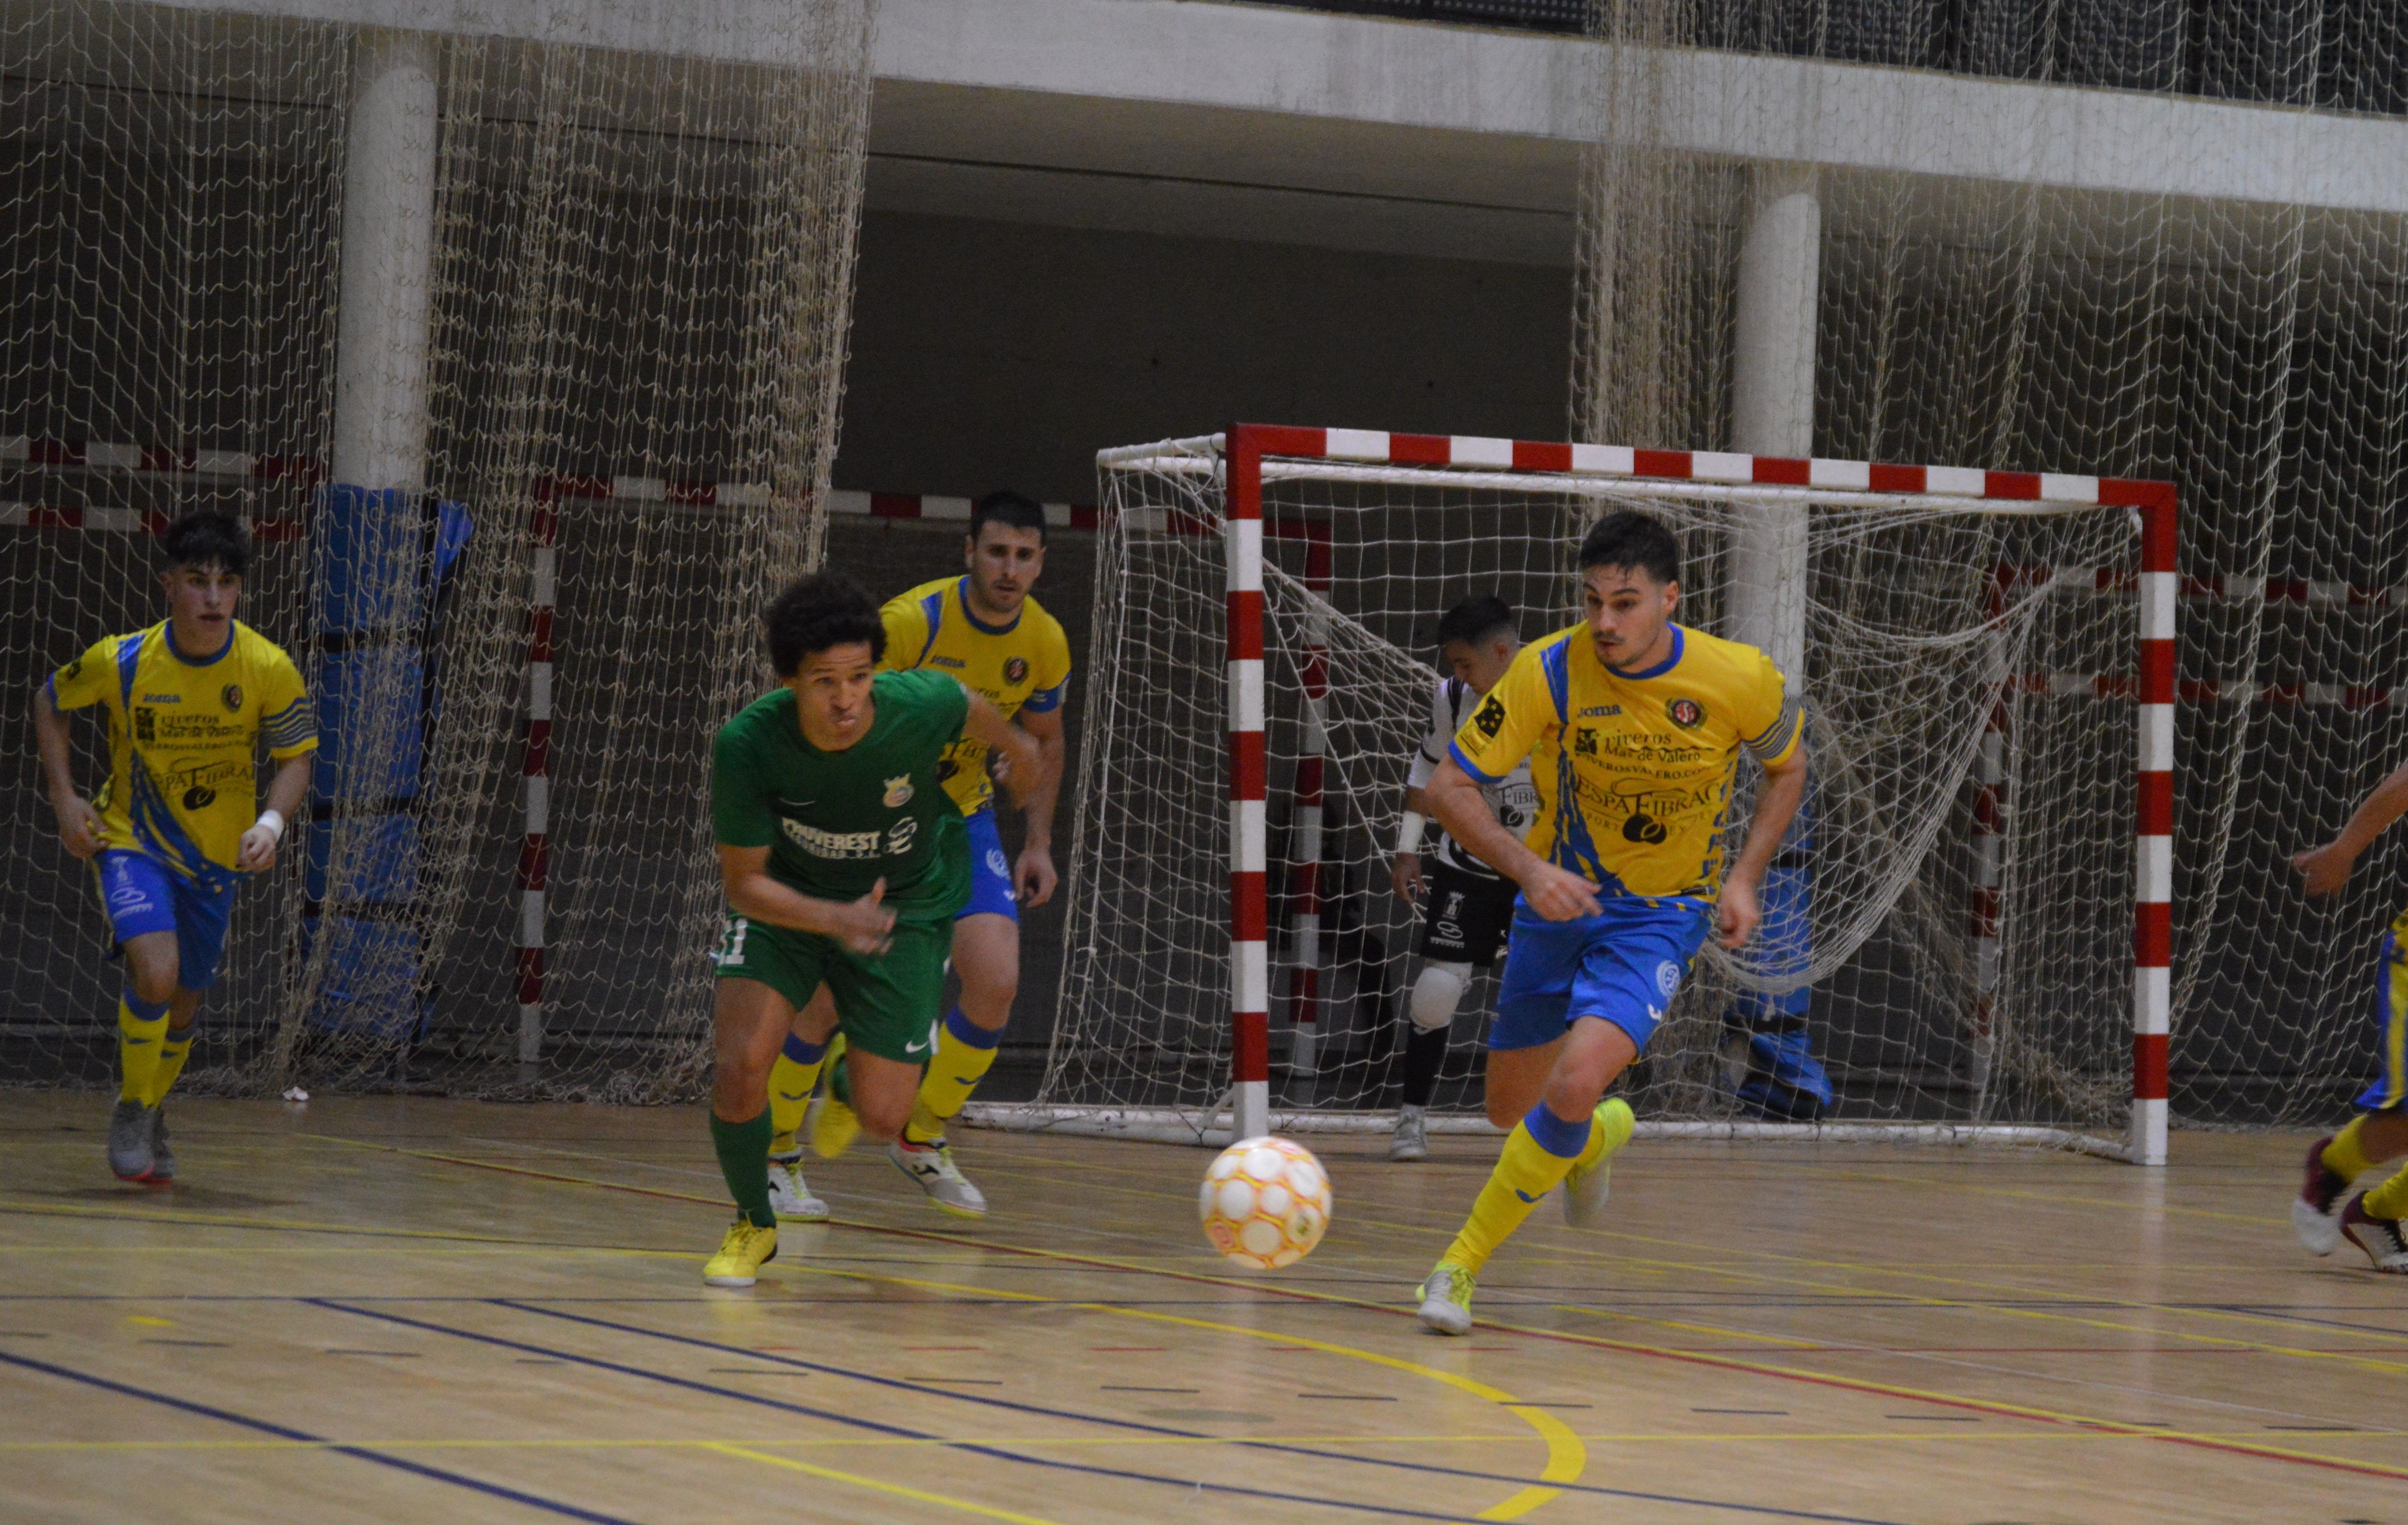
(824, 609)
(207, 539)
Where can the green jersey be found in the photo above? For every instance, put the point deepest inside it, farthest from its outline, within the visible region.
(836, 822)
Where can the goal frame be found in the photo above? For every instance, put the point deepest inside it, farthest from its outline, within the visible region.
(1243, 449)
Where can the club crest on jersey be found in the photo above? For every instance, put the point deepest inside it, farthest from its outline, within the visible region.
(1017, 669)
(1685, 713)
(898, 791)
(233, 697)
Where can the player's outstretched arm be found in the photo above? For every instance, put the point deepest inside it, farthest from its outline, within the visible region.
(79, 822)
(2324, 870)
(285, 792)
(862, 926)
(1736, 912)
(1554, 893)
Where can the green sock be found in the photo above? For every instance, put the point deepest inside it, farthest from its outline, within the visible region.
(744, 1161)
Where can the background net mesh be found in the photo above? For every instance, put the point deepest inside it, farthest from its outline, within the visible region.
(638, 302)
(1934, 627)
(2243, 350)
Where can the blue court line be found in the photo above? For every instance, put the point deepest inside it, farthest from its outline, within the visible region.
(283, 1432)
(1427, 1469)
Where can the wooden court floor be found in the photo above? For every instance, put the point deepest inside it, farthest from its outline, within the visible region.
(429, 1310)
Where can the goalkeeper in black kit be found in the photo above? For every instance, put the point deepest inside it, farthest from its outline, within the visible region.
(1467, 906)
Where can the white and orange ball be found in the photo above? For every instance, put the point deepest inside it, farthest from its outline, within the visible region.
(1264, 1203)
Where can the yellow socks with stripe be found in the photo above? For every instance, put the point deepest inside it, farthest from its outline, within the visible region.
(1540, 1152)
(791, 1080)
(172, 1050)
(2389, 1199)
(2345, 1156)
(140, 1026)
(965, 1050)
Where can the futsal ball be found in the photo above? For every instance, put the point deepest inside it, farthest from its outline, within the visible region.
(1264, 1203)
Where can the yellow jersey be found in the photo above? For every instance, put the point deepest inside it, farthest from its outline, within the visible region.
(1633, 769)
(1023, 665)
(183, 780)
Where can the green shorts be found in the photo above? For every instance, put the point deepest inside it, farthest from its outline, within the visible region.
(888, 1006)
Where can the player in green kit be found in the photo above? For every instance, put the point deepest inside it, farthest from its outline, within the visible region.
(844, 861)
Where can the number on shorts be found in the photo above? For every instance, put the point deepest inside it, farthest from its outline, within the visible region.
(731, 948)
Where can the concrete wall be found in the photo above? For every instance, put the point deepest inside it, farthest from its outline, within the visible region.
(989, 354)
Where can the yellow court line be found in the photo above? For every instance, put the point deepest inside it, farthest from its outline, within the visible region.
(1671, 1352)
(2053, 1435)
(1566, 1459)
(917, 1495)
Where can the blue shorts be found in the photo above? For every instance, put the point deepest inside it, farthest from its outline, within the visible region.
(140, 895)
(990, 870)
(2390, 1028)
(1624, 964)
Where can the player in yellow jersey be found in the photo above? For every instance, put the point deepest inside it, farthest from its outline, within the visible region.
(2326, 1212)
(1633, 726)
(983, 629)
(174, 831)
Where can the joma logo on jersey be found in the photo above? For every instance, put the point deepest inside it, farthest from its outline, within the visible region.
(162, 698)
(898, 791)
(1491, 717)
(946, 661)
(1599, 711)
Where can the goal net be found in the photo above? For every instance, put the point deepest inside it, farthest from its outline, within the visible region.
(590, 270)
(1984, 656)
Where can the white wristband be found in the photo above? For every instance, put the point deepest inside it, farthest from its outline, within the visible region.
(274, 821)
(1409, 833)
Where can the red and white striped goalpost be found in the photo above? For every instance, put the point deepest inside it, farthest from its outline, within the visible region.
(1243, 451)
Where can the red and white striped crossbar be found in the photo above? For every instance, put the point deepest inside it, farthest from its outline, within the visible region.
(95, 455)
(1243, 451)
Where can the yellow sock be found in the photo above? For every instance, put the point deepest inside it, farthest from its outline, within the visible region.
(1538, 1153)
(965, 1050)
(140, 1025)
(792, 1079)
(172, 1050)
(2345, 1157)
(2390, 1198)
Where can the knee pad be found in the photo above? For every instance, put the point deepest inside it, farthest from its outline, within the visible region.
(1437, 993)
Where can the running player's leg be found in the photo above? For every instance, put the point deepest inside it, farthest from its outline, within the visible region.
(2371, 1221)
(793, 1076)
(1613, 976)
(140, 900)
(764, 974)
(987, 956)
(1465, 922)
(887, 1004)
(203, 913)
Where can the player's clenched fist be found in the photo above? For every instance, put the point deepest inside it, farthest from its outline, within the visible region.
(864, 925)
(78, 825)
(1558, 895)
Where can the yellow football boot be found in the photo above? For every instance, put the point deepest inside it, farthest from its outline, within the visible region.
(746, 1249)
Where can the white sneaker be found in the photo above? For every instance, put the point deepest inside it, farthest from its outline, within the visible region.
(790, 1196)
(1585, 1190)
(1446, 1300)
(2384, 1240)
(1411, 1141)
(932, 1165)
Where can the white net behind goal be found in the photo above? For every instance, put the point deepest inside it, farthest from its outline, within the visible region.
(1969, 840)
